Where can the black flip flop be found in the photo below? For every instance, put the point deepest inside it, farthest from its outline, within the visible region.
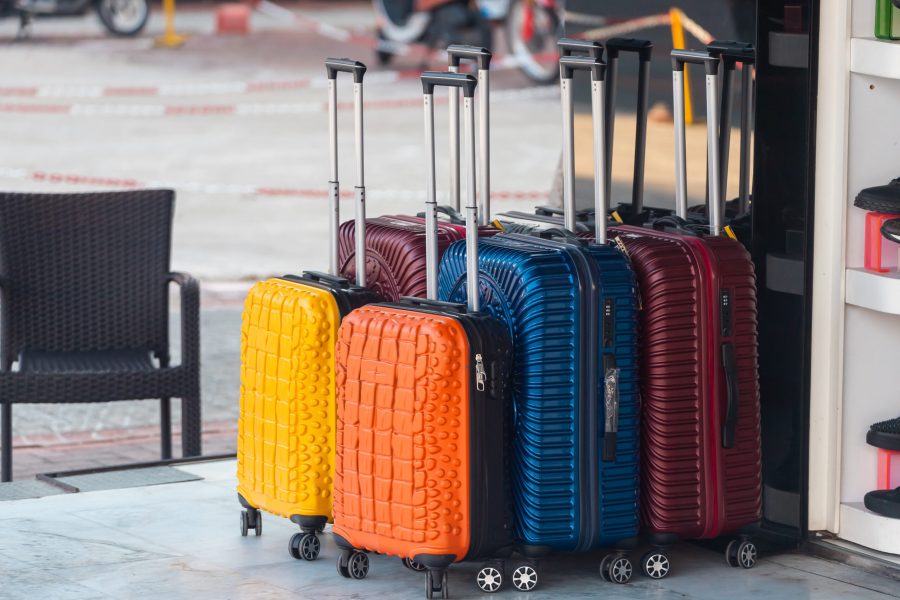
(885, 434)
(884, 502)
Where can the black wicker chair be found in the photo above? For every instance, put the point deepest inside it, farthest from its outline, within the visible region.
(84, 286)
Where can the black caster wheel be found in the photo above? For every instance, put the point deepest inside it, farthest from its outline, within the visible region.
(257, 522)
(436, 583)
(413, 565)
(305, 546)
(489, 578)
(742, 553)
(245, 523)
(342, 563)
(616, 569)
(358, 565)
(525, 577)
(655, 564)
(251, 519)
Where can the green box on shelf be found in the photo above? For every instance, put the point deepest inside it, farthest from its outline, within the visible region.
(887, 19)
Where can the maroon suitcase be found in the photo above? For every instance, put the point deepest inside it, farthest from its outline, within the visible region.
(395, 245)
(699, 377)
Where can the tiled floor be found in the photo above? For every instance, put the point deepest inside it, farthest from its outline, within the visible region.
(181, 541)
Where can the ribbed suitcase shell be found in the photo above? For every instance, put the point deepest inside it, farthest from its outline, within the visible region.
(286, 422)
(420, 452)
(692, 486)
(548, 301)
(395, 253)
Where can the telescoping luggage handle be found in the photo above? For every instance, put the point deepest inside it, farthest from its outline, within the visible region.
(333, 66)
(679, 59)
(482, 58)
(644, 50)
(568, 64)
(731, 54)
(430, 80)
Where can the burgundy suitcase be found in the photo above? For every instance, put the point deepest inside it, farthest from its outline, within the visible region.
(700, 391)
(395, 245)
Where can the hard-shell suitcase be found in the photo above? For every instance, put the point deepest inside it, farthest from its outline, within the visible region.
(423, 407)
(286, 425)
(571, 310)
(700, 469)
(396, 244)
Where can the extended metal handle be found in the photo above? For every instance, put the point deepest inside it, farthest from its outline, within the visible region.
(732, 54)
(482, 56)
(333, 66)
(568, 47)
(679, 59)
(644, 50)
(567, 67)
(467, 83)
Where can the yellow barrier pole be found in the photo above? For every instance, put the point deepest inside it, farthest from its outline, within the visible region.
(678, 44)
(170, 39)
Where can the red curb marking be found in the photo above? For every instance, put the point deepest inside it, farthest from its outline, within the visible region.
(199, 110)
(36, 108)
(131, 91)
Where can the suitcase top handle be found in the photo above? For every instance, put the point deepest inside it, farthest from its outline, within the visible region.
(567, 67)
(568, 47)
(430, 80)
(680, 58)
(482, 57)
(732, 54)
(333, 66)
(644, 51)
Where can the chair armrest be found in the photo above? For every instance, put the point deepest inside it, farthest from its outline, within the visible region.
(190, 318)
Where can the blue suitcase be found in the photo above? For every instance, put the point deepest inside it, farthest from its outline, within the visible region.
(571, 307)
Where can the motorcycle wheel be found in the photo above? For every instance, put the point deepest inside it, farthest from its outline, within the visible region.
(123, 17)
(535, 50)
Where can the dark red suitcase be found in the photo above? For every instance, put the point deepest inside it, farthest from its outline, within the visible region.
(699, 376)
(395, 245)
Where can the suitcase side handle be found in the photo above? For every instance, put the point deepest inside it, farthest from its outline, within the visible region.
(431, 79)
(680, 58)
(567, 67)
(333, 66)
(644, 50)
(729, 365)
(482, 57)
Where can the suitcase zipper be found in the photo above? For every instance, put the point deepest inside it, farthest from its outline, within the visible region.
(480, 373)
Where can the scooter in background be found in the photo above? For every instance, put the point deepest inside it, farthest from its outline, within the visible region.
(120, 17)
(531, 28)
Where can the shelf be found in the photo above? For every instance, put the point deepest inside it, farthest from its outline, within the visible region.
(861, 526)
(875, 291)
(879, 58)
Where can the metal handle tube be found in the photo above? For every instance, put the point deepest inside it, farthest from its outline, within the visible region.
(601, 183)
(360, 190)
(727, 105)
(612, 71)
(431, 245)
(568, 154)
(716, 207)
(471, 208)
(334, 191)
(680, 149)
(746, 137)
(454, 143)
(484, 144)
(640, 151)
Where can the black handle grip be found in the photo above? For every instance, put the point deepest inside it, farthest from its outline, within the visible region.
(695, 57)
(582, 214)
(673, 222)
(431, 79)
(454, 215)
(733, 52)
(569, 64)
(729, 365)
(480, 55)
(643, 48)
(560, 233)
(335, 280)
(568, 46)
(436, 304)
(345, 65)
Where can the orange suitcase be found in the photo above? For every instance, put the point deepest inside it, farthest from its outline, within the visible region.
(423, 413)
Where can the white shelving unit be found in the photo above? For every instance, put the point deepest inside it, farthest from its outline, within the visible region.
(856, 313)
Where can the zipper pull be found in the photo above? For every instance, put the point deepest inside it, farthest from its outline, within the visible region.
(480, 373)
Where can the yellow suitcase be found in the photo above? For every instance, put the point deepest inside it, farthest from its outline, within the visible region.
(285, 449)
